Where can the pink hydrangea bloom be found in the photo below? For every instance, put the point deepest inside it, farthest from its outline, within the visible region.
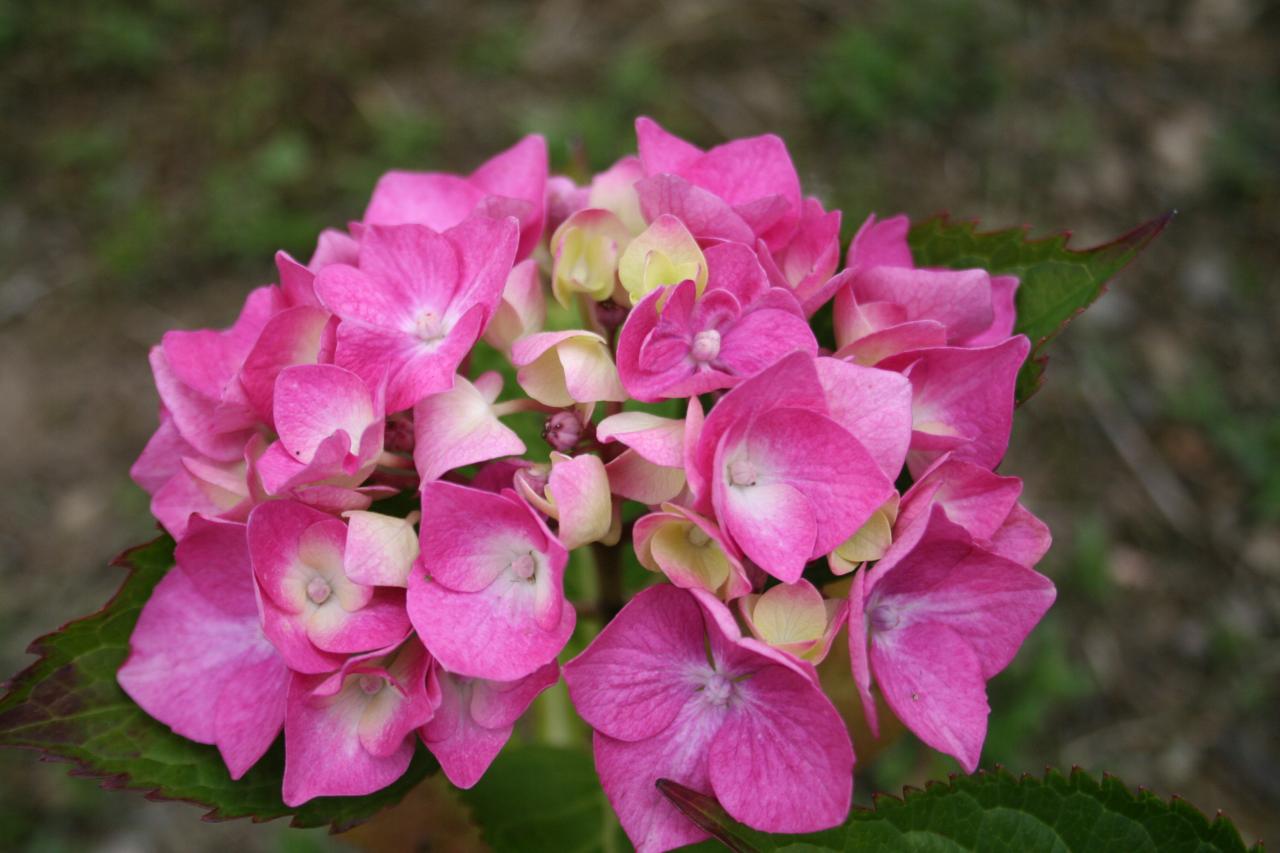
(791, 475)
(352, 732)
(931, 623)
(198, 659)
(312, 610)
(417, 302)
(488, 596)
(674, 691)
(678, 344)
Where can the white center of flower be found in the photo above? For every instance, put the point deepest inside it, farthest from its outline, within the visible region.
(371, 684)
(742, 472)
(428, 327)
(697, 537)
(706, 345)
(718, 689)
(318, 590)
(524, 566)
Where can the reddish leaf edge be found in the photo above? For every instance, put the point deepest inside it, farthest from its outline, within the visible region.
(122, 782)
(709, 816)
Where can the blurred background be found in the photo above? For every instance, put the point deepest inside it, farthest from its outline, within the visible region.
(153, 156)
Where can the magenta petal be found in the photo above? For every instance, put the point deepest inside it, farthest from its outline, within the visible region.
(1022, 537)
(469, 537)
(874, 406)
(958, 299)
(962, 400)
(187, 666)
(931, 679)
(381, 622)
(493, 634)
(434, 200)
(628, 683)
(782, 762)
(881, 242)
(323, 752)
(250, 712)
(464, 749)
(859, 661)
(661, 151)
(706, 215)
(475, 719)
(291, 337)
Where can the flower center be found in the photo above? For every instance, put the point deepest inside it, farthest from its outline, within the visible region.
(883, 618)
(428, 327)
(318, 590)
(697, 537)
(742, 473)
(718, 689)
(524, 566)
(706, 345)
(370, 684)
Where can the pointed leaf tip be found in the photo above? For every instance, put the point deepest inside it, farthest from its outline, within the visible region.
(1056, 282)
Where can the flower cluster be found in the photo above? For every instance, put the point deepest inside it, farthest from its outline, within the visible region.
(309, 595)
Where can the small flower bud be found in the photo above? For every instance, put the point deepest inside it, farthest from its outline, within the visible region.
(562, 431)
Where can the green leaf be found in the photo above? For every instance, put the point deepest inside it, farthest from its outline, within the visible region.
(68, 705)
(543, 798)
(991, 812)
(1057, 283)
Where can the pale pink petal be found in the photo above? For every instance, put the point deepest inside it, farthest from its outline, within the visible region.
(380, 549)
(635, 478)
(659, 440)
(458, 427)
(579, 489)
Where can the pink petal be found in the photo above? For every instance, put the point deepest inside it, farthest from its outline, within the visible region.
(295, 336)
(1022, 537)
(469, 537)
(579, 488)
(782, 761)
(958, 299)
(657, 439)
(476, 718)
(628, 683)
(930, 677)
(316, 401)
(323, 752)
(380, 549)
(661, 151)
(874, 406)
(859, 661)
(964, 395)
(881, 243)
(429, 370)
(705, 215)
(458, 427)
(493, 634)
(1003, 290)
(424, 198)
